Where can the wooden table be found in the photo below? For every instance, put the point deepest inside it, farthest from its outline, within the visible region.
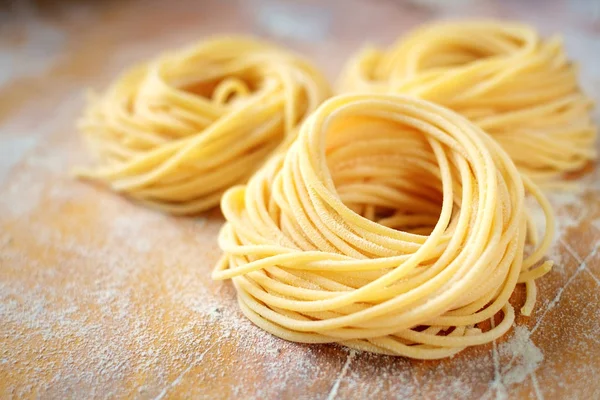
(102, 298)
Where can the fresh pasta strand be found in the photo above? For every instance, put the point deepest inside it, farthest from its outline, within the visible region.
(503, 76)
(176, 132)
(393, 225)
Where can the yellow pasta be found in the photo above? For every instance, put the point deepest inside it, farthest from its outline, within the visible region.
(503, 76)
(176, 132)
(393, 225)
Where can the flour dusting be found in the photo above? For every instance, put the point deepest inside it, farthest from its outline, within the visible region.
(528, 357)
(39, 50)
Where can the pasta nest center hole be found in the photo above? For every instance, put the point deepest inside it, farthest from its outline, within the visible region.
(385, 171)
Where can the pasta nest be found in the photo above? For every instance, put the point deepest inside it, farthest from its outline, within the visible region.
(515, 85)
(176, 132)
(392, 225)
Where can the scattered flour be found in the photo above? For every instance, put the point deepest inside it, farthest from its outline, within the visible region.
(521, 358)
(528, 357)
(11, 152)
(19, 135)
(38, 52)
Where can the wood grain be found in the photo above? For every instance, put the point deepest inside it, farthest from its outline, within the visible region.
(101, 298)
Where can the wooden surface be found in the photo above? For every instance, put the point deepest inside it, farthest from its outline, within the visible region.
(101, 298)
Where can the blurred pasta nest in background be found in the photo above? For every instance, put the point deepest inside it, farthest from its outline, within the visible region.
(503, 76)
(176, 132)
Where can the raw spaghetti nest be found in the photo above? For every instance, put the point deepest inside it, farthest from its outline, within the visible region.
(512, 83)
(176, 132)
(392, 225)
